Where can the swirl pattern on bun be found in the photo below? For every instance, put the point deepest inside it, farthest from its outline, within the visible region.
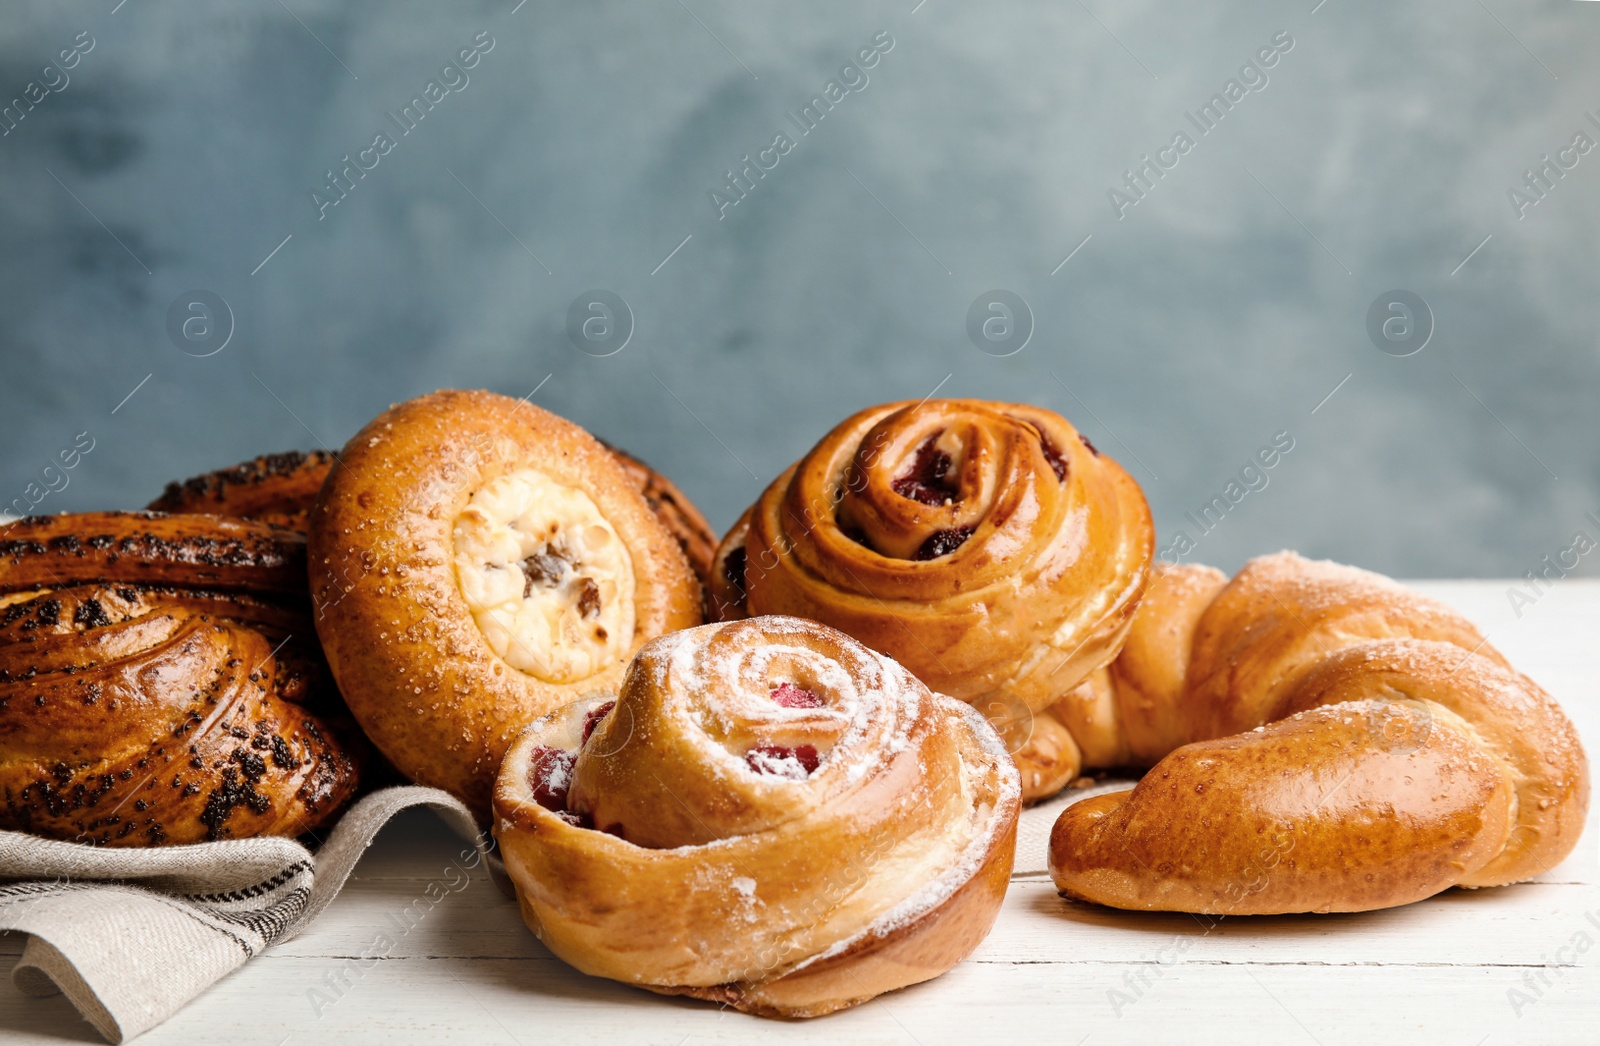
(988, 547)
(768, 814)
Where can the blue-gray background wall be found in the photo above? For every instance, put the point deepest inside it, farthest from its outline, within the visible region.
(1220, 310)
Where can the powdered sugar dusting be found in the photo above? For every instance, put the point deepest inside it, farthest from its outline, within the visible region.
(987, 821)
(947, 801)
(778, 762)
(723, 687)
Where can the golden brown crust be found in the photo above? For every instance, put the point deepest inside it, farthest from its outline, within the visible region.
(1346, 745)
(987, 546)
(832, 830)
(1150, 676)
(1045, 752)
(399, 635)
(135, 713)
(272, 488)
(1282, 614)
(936, 942)
(1307, 815)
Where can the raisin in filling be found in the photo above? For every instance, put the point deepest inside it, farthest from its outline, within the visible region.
(733, 570)
(543, 569)
(942, 543)
(1058, 464)
(929, 482)
(589, 599)
(547, 569)
(857, 535)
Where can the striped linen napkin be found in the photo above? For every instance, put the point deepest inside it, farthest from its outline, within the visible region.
(131, 935)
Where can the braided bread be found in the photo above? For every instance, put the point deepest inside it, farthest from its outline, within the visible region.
(273, 488)
(988, 547)
(768, 815)
(160, 683)
(1346, 745)
(477, 561)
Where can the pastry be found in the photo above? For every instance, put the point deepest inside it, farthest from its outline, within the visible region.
(988, 547)
(1323, 740)
(274, 488)
(234, 555)
(767, 815)
(160, 683)
(676, 512)
(475, 562)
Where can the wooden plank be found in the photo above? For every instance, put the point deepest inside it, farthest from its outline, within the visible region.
(1083, 1002)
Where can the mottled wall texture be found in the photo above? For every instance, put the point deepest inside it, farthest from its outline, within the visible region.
(1355, 239)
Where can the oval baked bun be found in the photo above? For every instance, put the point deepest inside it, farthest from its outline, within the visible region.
(476, 562)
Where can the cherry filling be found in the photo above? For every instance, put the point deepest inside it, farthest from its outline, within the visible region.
(794, 763)
(942, 543)
(593, 717)
(929, 481)
(787, 695)
(551, 777)
(1092, 448)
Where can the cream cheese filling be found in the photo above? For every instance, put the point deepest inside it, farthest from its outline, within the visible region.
(546, 577)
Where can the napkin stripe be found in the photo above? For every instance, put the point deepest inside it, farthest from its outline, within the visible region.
(272, 924)
(254, 891)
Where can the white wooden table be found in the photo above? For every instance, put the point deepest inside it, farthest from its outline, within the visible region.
(1519, 964)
